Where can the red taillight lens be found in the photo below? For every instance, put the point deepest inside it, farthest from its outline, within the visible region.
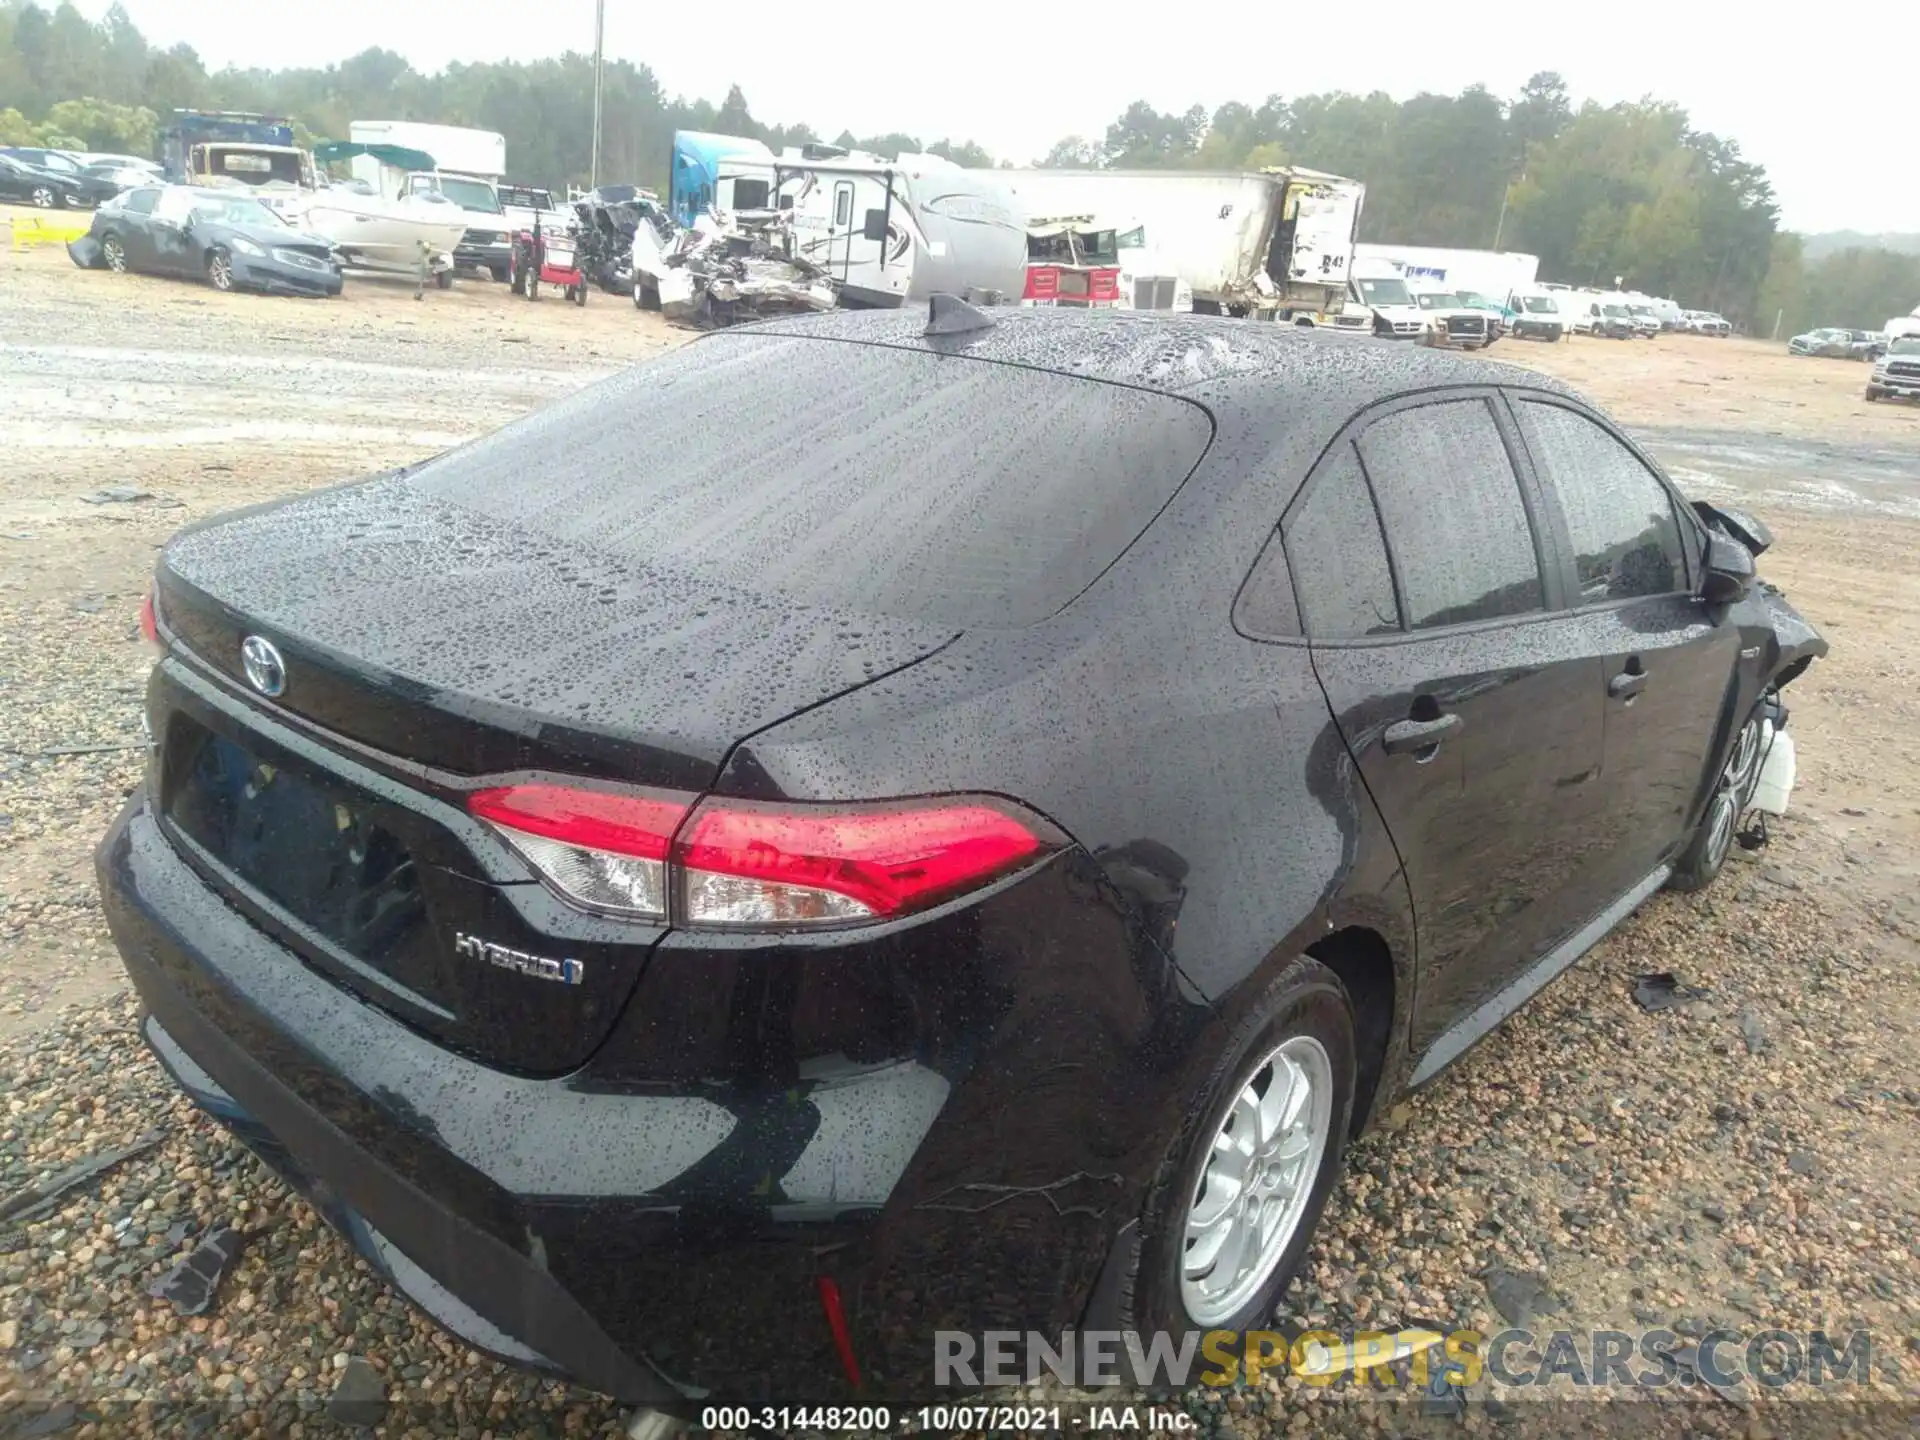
(748, 863)
(744, 862)
(1104, 285)
(150, 623)
(1043, 282)
(602, 848)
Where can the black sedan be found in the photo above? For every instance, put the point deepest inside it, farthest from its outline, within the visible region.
(882, 823)
(28, 184)
(231, 241)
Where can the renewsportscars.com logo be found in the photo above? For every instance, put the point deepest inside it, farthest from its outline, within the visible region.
(1517, 1358)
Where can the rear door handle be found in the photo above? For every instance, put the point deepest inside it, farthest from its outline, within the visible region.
(1405, 737)
(1627, 684)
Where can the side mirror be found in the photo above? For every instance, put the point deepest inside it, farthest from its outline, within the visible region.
(875, 226)
(1729, 570)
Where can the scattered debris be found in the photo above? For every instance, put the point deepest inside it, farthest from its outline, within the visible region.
(1662, 990)
(36, 1200)
(1753, 1030)
(191, 1284)
(117, 495)
(360, 1396)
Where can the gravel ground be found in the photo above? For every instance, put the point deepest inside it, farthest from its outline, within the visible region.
(1751, 1159)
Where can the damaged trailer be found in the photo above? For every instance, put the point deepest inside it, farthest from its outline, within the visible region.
(1274, 244)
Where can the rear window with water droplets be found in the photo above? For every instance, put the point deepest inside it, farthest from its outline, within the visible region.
(927, 487)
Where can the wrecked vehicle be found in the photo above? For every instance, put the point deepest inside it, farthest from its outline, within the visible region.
(712, 900)
(605, 221)
(721, 272)
(230, 240)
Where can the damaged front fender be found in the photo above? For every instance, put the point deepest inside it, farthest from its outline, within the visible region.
(1793, 643)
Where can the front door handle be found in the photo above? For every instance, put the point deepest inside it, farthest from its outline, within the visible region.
(1627, 684)
(1405, 737)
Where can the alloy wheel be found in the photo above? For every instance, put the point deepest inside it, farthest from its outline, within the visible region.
(43, 196)
(1730, 796)
(1258, 1178)
(220, 271)
(114, 254)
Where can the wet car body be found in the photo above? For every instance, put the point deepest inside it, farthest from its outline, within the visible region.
(175, 230)
(649, 1177)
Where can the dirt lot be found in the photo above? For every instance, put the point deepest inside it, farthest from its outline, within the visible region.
(1751, 1159)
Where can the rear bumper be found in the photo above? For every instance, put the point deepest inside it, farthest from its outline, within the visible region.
(655, 1241)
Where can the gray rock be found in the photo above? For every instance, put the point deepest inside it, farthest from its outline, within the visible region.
(359, 1397)
(1804, 1162)
(1753, 1030)
(1520, 1295)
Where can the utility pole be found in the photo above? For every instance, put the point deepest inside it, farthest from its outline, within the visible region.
(1501, 224)
(599, 45)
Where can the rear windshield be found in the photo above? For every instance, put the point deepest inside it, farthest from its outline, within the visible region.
(896, 482)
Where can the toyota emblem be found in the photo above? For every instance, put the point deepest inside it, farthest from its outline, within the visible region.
(266, 671)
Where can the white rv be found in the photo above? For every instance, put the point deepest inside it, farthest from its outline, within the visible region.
(891, 232)
(1276, 244)
(468, 166)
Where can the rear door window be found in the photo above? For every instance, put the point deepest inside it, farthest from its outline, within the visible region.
(919, 486)
(1626, 536)
(1338, 560)
(1462, 542)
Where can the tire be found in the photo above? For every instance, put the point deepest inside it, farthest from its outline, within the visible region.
(46, 197)
(1706, 853)
(1873, 392)
(219, 268)
(502, 274)
(530, 279)
(113, 254)
(443, 279)
(1300, 1026)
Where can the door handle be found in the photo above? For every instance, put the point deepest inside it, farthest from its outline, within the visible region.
(1411, 736)
(1627, 684)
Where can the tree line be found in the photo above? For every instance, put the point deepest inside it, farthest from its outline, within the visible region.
(1598, 191)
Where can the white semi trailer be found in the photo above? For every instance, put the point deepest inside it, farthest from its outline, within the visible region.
(1275, 244)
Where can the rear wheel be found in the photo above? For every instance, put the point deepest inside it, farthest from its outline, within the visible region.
(1873, 392)
(220, 268)
(1707, 852)
(113, 254)
(46, 197)
(1234, 1206)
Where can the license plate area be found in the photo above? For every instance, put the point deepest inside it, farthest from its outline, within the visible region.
(314, 850)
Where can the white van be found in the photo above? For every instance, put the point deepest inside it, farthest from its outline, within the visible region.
(1534, 314)
(1379, 303)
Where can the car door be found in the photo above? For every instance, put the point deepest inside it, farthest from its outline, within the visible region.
(174, 252)
(1635, 547)
(1470, 707)
(13, 180)
(134, 223)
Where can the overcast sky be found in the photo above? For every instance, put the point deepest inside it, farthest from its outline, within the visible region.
(1798, 95)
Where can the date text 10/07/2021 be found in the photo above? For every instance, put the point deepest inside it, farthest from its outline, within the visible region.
(951, 1419)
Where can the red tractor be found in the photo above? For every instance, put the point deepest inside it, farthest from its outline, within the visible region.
(546, 257)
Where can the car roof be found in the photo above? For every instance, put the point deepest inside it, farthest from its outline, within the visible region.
(1249, 373)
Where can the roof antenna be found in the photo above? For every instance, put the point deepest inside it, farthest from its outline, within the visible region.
(950, 315)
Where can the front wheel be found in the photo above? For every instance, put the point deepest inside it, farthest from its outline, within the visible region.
(1707, 852)
(1235, 1204)
(46, 197)
(1873, 392)
(113, 254)
(220, 268)
(443, 279)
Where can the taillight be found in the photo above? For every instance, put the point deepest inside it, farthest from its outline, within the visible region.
(756, 863)
(746, 863)
(1043, 282)
(150, 624)
(603, 849)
